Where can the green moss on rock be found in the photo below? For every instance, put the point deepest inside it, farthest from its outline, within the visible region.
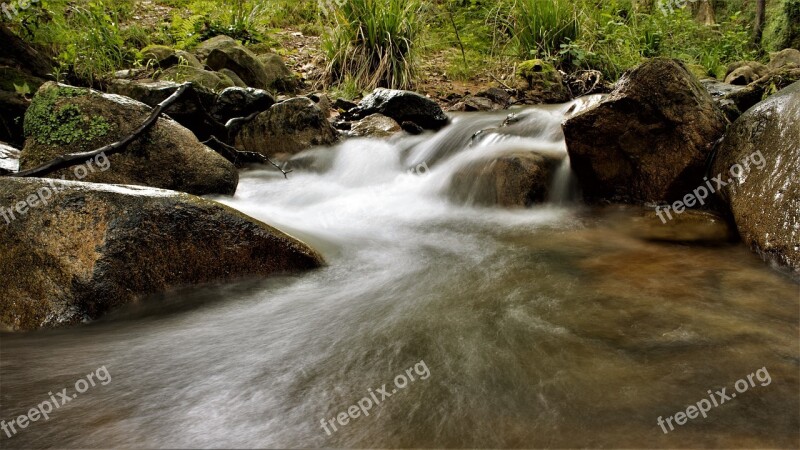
(52, 122)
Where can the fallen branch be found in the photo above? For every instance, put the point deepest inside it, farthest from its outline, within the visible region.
(72, 159)
(239, 157)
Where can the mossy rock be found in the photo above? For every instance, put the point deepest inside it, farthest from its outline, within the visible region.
(541, 82)
(64, 119)
(92, 248)
(211, 80)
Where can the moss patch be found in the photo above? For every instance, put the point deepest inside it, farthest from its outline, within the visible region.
(51, 121)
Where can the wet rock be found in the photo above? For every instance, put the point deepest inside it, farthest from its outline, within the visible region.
(64, 119)
(375, 125)
(287, 127)
(9, 159)
(647, 141)
(240, 102)
(81, 249)
(189, 110)
(214, 81)
(785, 59)
(402, 106)
(765, 201)
(512, 179)
(765, 86)
(541, 82)
(412, 128)
(721, 93)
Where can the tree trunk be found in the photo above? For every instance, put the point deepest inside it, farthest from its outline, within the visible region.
(758, 29)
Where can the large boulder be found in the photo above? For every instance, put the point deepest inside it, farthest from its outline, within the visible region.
(649, 140)
(287, 128)
(73, 251)
(190, 110)
(402, 106)
(512, 179)
(63, 119)
(765, 200)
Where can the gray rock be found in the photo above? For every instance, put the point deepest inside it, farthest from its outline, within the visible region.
(647, 141)
(80, 250)
(765, 200)
(375, 125)
(287, 127)
(240, 102)
(513, 179)
(64, 119)
(402, 106)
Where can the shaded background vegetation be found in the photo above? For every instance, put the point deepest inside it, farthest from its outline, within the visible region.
(368, 43)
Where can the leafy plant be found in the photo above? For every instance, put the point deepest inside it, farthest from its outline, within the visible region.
(543, 26)
(373, 42)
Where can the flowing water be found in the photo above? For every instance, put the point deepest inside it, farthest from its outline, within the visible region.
(539, 327)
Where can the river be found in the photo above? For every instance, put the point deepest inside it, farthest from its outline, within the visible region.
(541, 327)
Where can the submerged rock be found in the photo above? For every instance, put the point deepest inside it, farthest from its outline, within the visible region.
(512, 179)
(288, 127)
(402, 106)
(79, 249)
(649, 140)
(765, 200)
(691, 226)
(64, 119)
